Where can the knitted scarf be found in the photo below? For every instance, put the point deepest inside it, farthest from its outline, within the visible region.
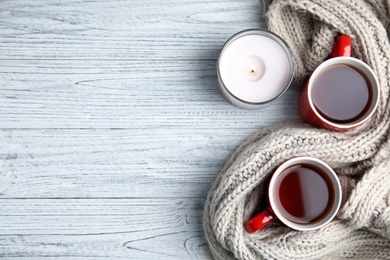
(360, 157)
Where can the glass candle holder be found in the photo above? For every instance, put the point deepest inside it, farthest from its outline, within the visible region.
(254, 68)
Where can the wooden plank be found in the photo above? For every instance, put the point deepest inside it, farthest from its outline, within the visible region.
(112, 125)
(119, 94)
(153, 29)
(102, 228)
(113, 163)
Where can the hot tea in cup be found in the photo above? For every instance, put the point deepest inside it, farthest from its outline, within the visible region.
(342, 93)
(304, 193)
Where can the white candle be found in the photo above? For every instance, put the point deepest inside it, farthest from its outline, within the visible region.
(254, 67)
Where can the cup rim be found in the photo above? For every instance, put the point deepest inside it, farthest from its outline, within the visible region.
(254, 31)
(337, 190)
(366, 70)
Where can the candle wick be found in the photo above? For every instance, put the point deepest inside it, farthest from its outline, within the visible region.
(253, 69)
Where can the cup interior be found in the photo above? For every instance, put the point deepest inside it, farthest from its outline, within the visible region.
(372, 83)
(276, 191)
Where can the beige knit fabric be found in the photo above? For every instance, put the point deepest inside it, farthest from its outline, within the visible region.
(360, 157)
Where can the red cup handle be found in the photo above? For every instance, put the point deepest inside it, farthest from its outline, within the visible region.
(259, 221)
(342, 47)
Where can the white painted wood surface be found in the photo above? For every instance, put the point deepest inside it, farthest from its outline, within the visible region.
(112, 128)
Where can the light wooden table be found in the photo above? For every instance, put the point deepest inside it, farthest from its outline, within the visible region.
(112, 125)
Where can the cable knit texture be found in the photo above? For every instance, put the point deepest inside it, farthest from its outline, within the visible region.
(360, 157)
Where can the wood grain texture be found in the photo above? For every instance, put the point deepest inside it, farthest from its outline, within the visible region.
(142, 94)
(102, 228)
(113, 163)
(112, 127)
(137, 29)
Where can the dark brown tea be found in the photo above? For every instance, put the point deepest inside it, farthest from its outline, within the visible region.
(341, 93)
(304, 194)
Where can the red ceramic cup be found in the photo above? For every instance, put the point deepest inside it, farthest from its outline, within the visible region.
(342, 93)
(304, 193)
